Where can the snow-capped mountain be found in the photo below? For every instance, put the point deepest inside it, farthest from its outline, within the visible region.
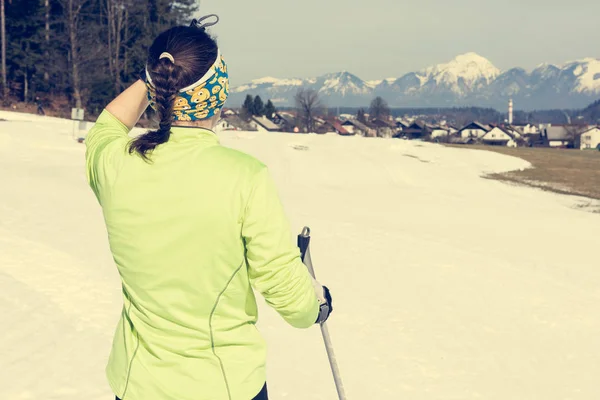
(338, 88)
(467, 80)
(463, 75)
(341, 88)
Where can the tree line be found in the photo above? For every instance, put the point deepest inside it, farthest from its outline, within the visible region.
(255, 107)
(80, 53)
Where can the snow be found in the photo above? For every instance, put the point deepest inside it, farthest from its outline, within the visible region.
(268, 81)
(470, 67)
(585, 71)
(588, 76)
(344, 83)
(278, 82)
(445, 285)
(375, 83)
(332, 83)
(422, 79)
(243, 88)
(465, 75)
(290, 82)
(546, 70)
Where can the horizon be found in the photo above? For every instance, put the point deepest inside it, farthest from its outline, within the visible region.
(314, 38)
(354, 109)
(422, 69)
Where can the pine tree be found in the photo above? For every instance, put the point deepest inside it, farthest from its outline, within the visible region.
(3, 39)
(181, 11)
(248, 107)
(360, 115)
(259, 107)
(25, 54)
(270, 109)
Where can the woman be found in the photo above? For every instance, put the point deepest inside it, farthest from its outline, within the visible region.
(193, 227)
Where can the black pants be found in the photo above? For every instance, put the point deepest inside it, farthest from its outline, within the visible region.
(263, 395)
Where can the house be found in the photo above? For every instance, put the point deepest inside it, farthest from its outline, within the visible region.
(384, 128)
(321, 126)
(334, 125)
(528, 129)
(590, 139)
(264, 124)
(224, 125)
(563, 135)
(350, 127)
(416, 130)
(233, 123)
(474, 130)
(439, 133)
(500, 136)
(286, 121)
(451, 129)
(514, 132)
(557, 136)
(461, 140)
(401, 125)
(356, 127)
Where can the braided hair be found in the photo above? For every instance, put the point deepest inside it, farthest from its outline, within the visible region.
(193, 52)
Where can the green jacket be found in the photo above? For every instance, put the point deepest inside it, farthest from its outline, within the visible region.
(191, 234)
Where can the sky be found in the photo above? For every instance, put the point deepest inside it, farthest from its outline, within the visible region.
(378, 39)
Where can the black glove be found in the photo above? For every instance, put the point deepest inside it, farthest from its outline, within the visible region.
(326, 308)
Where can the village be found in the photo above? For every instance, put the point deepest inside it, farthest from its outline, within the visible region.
(507, 134)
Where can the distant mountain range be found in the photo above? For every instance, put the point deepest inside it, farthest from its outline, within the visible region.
(468, 80)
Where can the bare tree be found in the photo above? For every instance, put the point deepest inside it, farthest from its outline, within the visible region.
(360, 116)
(3, 28)
(574, 135)
(126, 39)
(47, 41)
(116, 12)
(379, 109)
(73, 10)
(309, 105)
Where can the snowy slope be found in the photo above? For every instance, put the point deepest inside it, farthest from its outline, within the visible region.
(587, 73)
(461, 75)
(269, 81)
(377, 82)
(446, 285)
(468, 79)
(343, 83)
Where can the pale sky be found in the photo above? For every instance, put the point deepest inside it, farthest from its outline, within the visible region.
(376, 39)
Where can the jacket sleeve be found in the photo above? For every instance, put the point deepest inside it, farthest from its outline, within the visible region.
(274, 264)
(105, 146)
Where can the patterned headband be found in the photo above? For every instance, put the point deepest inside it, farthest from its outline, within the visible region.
(202, 99)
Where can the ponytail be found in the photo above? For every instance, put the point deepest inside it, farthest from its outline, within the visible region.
(166, 78)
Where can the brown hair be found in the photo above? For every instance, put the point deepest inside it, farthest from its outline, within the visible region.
(194, 52)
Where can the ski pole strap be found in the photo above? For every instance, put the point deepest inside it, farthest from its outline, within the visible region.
(323, 313)
(304, 241)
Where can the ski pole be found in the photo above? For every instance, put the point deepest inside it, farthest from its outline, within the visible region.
(303, 244)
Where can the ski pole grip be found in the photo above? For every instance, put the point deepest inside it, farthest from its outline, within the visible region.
(304, 241)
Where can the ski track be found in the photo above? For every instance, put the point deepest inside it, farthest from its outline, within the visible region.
(445, 285)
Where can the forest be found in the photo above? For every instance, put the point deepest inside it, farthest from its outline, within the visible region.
(79, 53)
